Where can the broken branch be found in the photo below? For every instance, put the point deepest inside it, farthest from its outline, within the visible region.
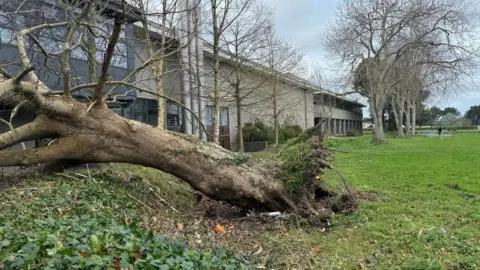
(27, 132)
(65, 148)
(22, 74)
(11, 128)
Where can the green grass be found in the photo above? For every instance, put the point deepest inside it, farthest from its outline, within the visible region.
(417, 222)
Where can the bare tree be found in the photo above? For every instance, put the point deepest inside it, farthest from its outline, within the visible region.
(159, 19)
(281, 62)
(371, 36)
(223, 14)
(324, 100)
(242, 40)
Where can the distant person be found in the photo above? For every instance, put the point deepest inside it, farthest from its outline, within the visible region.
(440, 132)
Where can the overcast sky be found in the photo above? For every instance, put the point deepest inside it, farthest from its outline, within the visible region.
(302, 21)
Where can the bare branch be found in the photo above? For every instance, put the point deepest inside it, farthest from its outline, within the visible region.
(35, 40)
(98, 94)
(22, 74)
(21, 45)
(5, 73)
(67, 50)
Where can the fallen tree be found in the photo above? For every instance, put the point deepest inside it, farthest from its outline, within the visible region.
(92, 133)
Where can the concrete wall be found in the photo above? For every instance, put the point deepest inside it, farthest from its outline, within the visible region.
(144, 78)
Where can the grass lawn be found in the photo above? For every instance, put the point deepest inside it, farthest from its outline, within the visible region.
(427, 214)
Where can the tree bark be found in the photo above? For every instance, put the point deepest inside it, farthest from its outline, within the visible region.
(275, 112)
(398, 113)
(414, 117)
(216, 75)
(378, 122)
(407, 119)
(161, 102)
(241, 149)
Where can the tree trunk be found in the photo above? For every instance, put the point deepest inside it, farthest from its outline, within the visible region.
(407, 120)
(378, 122)
(275, 112)
(216, 76)
(414, 117)
(239, 125)
(91, 49)
(398, 118)
(161, 102)
(102, 136)
(159, 69)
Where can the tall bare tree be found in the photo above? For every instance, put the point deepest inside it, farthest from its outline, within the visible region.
(376, 34)
(242, 40)
(281, 61)
(324, 100)
(159, 19)
(223, 13)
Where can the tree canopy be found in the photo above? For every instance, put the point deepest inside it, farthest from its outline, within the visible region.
(452, 110)
(473, 112)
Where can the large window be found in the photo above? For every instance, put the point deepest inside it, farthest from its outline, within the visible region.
(52, 39)
(7, 36)
(173, 115)
(146, 111)
(224, 121)
(120, 55)
(7, 26)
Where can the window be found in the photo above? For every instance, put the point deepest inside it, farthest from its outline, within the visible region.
(173, 115)
(79, 53)
(145, 110)
(8, 26)
(49, 12)
(119, 58)
(52, 39)
(7, 36)
(224, 119)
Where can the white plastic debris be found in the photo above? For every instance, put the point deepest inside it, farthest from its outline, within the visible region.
(274, 214)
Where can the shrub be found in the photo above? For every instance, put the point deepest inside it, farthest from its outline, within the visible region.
(353, 133)
(288, 132)
(259, 131)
